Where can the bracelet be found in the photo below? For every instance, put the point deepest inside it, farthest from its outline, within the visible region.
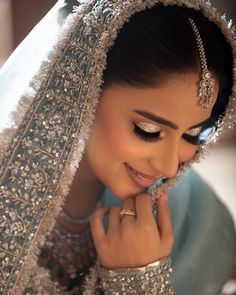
(78, 221)
(73, 220)
(151, 279)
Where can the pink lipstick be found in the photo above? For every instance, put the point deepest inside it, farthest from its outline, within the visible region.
(139, 178)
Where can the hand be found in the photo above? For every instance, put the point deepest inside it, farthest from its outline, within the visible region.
(133, 241)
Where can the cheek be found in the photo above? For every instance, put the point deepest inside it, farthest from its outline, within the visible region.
(112, 141)
(187, 152)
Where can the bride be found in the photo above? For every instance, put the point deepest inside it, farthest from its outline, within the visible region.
(130, 95)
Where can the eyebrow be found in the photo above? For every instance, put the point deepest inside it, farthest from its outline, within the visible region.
(165, 122)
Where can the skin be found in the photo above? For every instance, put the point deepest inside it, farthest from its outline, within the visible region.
(136, 241)
(112, 135)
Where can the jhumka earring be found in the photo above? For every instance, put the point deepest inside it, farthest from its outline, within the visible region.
(207, 82)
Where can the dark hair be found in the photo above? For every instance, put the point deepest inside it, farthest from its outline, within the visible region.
(159, 42)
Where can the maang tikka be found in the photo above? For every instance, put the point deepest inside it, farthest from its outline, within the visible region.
(207, 82)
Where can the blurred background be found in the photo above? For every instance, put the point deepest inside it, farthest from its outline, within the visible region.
(18, 17)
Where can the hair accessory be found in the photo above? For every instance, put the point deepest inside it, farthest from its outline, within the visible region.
(207, 83)
(54, 117)
(129, 212)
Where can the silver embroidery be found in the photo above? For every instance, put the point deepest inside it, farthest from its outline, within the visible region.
(35, 169)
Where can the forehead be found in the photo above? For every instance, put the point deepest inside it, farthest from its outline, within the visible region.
(177, 99)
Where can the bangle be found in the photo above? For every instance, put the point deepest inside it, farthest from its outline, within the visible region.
(78, 221)
(151, 279)
(73, 220)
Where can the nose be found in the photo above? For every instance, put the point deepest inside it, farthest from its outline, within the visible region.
(165, 159)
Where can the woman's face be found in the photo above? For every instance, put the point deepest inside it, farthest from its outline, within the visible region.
(145, 130)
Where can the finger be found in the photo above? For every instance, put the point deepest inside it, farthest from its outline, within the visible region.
(97, 226)
(114, 220)
(128, 204)
(143, 203)
(164, 220)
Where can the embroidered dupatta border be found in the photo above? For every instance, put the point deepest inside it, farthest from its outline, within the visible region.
(38, 166)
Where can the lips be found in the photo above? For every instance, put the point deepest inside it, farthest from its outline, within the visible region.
(139, 178)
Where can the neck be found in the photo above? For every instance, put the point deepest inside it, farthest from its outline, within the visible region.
(85, 193)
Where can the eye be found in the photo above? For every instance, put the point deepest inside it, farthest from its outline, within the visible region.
(194, 132)
(148, 132)
(192, 135)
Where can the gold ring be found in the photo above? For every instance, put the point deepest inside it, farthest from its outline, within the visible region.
(129, 212)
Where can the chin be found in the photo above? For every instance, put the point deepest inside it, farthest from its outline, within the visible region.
(123, 193)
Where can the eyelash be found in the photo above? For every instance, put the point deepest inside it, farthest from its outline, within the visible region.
(147, 136)
(195, 140)
(153, 137)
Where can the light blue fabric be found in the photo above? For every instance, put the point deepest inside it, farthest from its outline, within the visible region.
(205, 239)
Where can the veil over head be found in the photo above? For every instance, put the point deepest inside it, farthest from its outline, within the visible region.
(50, 88)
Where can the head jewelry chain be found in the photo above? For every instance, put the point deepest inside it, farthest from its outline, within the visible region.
(206, 89)
(207, 83)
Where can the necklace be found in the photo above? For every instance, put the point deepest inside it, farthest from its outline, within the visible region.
(79, 221)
